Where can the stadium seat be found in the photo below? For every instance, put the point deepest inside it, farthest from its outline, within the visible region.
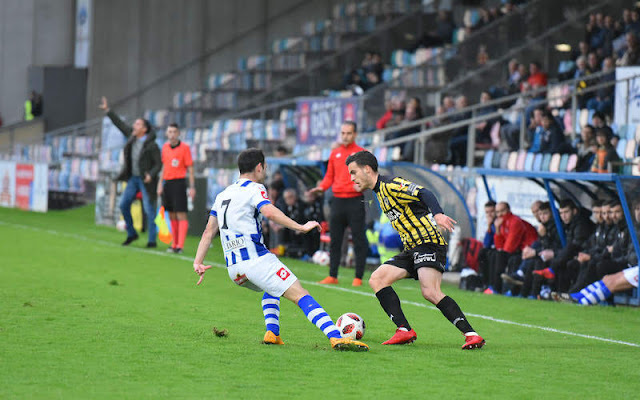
(522, 155)
(495, 163)
(546, 160)
(554, 164)
(537, 162)
(630, 150)
(622, 146)
(572, 162)
(635, 169)
(584, 117)
(528, 162)
(488, 157)
(564, 160)
(631, 132)
(504, 160)
(511, 162)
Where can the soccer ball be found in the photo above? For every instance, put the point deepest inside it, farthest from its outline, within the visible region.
(351, 325)
(121, 225)
(321, 257)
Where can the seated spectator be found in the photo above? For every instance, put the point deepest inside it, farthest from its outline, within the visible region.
(593, 249)
(514, 76)
(583, 50)
(413, 112)
(512, 235)
(442, 34)
(606, 153)
(631, 55)
(586, 148)
(485, 254)
(312, 211)
(373, 69)
(620, 253)
(602, 101)
(292, 241)
(483, 129)
(599, 120)
(393, 115)
(510, 133)
(552, 140)
(535, 255)
(459, 136)
(615, 139)
(577, 229)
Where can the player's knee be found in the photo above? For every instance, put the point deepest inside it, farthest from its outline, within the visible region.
(376, 282)
(432, 295)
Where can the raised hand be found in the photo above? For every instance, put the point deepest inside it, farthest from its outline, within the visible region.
(444, 222)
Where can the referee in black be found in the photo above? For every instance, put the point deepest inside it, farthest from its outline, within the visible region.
(416, 214)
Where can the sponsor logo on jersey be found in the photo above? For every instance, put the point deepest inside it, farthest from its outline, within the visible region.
(283, 274)
(264, 195)
(233, 244)
(412, 187)
(423, 257)
(175, 162)
(393, 214)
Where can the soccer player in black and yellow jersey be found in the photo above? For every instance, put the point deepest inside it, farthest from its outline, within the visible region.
(415, 213)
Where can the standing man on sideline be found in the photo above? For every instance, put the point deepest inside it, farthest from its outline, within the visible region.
(141, 166)
(172, 186)
(347, 206)
(236, 215)
(416, 214)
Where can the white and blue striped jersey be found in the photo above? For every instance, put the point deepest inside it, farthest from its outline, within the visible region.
(237, 209)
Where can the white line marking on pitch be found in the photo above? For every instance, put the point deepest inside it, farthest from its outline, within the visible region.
(218, 265)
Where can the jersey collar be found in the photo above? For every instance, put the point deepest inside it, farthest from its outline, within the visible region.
(376, 188)
(173, 147)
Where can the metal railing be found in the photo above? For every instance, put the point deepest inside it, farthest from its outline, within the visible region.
(424, 135)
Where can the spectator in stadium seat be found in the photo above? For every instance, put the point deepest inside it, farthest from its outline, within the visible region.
(593, 249)
(581, 68)
(602, 101)
(577, 229)
(551, 139)
(458, 140)
(599, 120)
(512, 235)
(412, 112)
(538, 253)
(631, 55)
(621, 252)
(586, 148)
(142, 164)
(292, 241)
(606, 153)
(485, 254)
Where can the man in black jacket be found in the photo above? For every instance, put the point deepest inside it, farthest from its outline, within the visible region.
(142, 163)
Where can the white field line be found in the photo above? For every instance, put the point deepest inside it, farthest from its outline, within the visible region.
(331, 287)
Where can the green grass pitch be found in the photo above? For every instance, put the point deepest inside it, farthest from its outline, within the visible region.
(83, 318)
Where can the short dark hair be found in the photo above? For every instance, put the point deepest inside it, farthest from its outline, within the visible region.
(174, 125)
(545, 205)
(249, 159)
(615, 203)
(363, 158)
(352, 123)
(597, 203)
(605, 131)
(147, 124)
(564, 203)
(490, 203)
(598, 114)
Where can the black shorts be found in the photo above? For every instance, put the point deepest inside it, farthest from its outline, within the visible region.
(174, 195)
(424, 255)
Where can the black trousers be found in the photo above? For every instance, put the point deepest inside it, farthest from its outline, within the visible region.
(347, 212)
(498, 265)
(484, 265)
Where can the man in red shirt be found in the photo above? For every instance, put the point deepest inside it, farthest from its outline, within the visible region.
(512, 235)
(176, 162)
(347, 206)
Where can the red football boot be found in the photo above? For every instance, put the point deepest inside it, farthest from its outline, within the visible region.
(473, 342)
(402, 337)
(546, 273)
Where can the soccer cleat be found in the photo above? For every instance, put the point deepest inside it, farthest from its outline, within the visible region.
(513, 279)
(488, 290)
(356, 282)
(329, 280)
(178, 250)
(473, 342)
(171, 250)
(152, 245)
(129, 240)
(546, 273)
(348, 344)
(402, 337)
(271, 338)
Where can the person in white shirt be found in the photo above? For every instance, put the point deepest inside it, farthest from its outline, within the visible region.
(235, 214)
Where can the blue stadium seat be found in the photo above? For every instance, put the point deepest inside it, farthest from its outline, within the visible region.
(488, 157)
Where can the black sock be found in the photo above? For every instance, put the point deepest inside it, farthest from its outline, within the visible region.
(390, 303)
(452, 312)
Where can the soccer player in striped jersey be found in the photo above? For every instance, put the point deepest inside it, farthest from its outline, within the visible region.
(605, 288)
(415, 213)
(236, 215)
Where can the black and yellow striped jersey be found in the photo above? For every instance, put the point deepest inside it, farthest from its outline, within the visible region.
(409, 214)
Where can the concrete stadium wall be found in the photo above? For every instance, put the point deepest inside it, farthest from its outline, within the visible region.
(135, 42)
(32, 32)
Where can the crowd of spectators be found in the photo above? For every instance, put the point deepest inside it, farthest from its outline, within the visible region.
(522, 261)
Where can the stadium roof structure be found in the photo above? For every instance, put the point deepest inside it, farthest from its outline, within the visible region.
(571, 185)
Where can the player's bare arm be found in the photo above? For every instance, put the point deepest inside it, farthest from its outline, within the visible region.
(203, 247)
(274, 214)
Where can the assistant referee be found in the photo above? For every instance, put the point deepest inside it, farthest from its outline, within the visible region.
(176, 162)
(347, 206)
